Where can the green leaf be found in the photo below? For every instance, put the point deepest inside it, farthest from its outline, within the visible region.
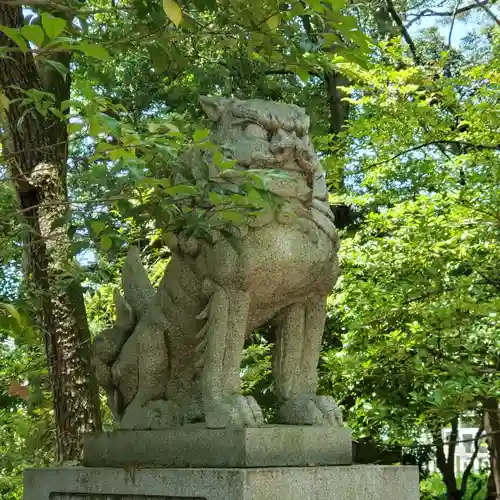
(67, 103)
(98, 227)
(157, 127)
(16, 37)
(273, 22)
(255, 198)
(53, 26)
(72, 230)
(317, 5)
(120, 153)
(154, 127)
(232, 240)
(159, 57)
(113, 126)
(57, 112)
(4, 102)
(60, 221)
(220, 161)
(12, 311)
(34, 33)
(59, 67)
(171, 127)
(200, 135)
(106, 242)
(95, 51)
(227, 165)
(74, 127)
(336, 6)
(303, 74)
(217, 158)
(215, 198)
(77, 246)
(181, 189)
(173, 11)
(239, 199)
(95, 127)
(232, 216)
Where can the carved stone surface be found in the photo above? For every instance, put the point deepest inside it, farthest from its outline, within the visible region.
(365, 482)
(173, 356)
(269, 446)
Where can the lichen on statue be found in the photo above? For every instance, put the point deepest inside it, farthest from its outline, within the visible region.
(179, 362)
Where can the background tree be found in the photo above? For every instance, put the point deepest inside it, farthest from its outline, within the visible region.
(35, 144)
(406, 123)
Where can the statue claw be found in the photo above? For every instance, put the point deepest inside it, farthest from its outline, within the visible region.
(159, 414)
(316, 410)
(235, 411)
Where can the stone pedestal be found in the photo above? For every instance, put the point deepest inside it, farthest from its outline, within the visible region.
(268, 463)
(195, 446)
(353, 482)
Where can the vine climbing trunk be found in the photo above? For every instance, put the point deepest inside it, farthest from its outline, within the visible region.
(36, 147)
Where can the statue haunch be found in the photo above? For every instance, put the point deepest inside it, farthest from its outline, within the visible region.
(173, 356)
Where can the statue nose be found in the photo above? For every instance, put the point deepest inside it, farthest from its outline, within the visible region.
(281, 142)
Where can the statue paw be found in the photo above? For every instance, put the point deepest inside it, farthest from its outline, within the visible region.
(235, 411)
(192, 410)
(159, 414)
(315, 410)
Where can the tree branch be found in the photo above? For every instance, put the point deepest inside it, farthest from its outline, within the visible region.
(488, 11)
(427, 295)
(466, 144)
(47, 4)
(452, 443)
(457, 5)
(406, 35)
(430, 12)
(468, 469)
(490, 281)
(290, 72)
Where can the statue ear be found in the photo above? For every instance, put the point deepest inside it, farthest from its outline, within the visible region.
(213, 106)
(137, 289)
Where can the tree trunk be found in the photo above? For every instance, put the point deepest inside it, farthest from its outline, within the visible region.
(468, 470)
(37, 155)
(446, 464)
(491, 490)
(338, 111)
(492, 426)
(338, 116)
(338, 108)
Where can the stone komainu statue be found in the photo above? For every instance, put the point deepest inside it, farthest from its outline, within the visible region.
(173, 356)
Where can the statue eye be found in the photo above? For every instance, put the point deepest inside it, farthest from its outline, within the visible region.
(255, 131)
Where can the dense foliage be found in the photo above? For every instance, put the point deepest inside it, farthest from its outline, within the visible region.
(405, 108)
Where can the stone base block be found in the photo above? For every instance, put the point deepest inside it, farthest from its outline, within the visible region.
(270, 446)
(357, 482)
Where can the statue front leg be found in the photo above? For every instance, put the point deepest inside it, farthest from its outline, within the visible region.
(221, 350)
(298, 348)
